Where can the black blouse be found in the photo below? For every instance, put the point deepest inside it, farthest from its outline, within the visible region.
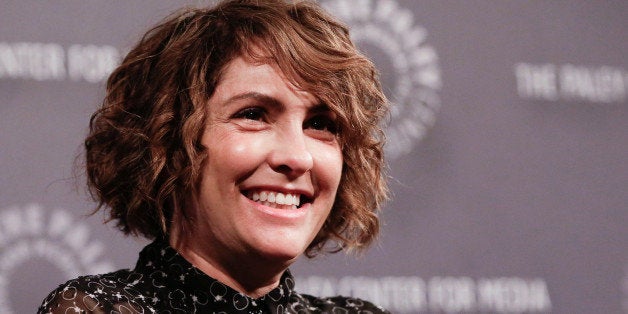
(164, 282)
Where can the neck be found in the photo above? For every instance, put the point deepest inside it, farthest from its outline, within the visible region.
(249, 274)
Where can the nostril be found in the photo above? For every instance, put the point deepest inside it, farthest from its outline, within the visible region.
(284, 169)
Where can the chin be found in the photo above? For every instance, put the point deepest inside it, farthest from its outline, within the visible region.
(281, 250)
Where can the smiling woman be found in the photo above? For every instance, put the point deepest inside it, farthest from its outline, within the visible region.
(237, 137)
(260, 138)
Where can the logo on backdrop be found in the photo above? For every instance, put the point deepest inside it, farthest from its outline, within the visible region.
(53, 62)
(33, 233)
(409, 68)
(570, 82)
(445, 294)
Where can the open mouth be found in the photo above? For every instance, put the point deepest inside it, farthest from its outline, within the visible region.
(277, 199)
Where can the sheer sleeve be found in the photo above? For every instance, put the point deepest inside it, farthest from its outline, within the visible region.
(69, 299)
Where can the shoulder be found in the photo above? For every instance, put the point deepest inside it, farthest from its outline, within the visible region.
(96, 293)
(338, 304)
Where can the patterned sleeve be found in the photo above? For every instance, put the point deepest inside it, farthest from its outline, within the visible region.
(69, 299)
(79, 296)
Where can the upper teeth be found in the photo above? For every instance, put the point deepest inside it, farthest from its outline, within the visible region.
(278, 198)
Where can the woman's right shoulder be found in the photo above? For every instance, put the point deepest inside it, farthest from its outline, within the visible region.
(92, 294)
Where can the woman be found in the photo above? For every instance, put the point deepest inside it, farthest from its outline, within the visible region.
(238, 138)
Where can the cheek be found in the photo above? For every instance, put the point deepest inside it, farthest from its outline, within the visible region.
(331, 163)
(234, 154)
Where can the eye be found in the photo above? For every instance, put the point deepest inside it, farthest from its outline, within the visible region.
(252, 113)
(322, 123)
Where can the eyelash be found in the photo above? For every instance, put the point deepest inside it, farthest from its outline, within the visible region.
(252, 113)
(323, 123)
(320, 122)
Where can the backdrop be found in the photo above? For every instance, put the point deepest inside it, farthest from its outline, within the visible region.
(507, 153)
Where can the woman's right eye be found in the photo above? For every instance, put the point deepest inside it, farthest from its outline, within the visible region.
(252, 113)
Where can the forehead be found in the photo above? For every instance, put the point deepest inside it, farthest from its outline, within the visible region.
(245, 75)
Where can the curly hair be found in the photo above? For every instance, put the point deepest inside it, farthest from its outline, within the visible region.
(143, 152)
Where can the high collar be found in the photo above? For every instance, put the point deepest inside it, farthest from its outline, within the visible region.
(167, 268)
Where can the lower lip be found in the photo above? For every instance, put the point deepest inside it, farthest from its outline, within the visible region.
(278, 213)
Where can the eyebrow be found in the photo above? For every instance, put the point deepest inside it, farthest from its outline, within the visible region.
(272, 101)
(253, 95)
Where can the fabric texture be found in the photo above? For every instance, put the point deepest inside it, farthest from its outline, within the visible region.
(164, 282)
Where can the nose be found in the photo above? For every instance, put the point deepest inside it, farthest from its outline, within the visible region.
(290, 154)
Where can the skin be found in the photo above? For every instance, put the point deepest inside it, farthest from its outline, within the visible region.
(263, 133)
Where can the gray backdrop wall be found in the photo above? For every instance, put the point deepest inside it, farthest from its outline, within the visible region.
(508, 151)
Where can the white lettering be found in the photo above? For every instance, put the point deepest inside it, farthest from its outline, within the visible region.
(405, 294)
(570, 82)
(91, 63)
(35, 61)
(47, 61)
(604, 84)
(441, 294)
(451, 294)
(398, 294)
(513, 295)
(536, 81)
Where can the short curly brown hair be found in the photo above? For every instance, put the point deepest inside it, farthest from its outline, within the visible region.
(143, 152)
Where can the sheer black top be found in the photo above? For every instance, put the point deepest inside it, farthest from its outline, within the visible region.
(164, 282)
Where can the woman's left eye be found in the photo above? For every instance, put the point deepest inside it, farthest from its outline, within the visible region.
(253, 113)
(322, 123)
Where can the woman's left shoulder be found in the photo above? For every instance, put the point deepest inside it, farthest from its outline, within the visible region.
(91, 294)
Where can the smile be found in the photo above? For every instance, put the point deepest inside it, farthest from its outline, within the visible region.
(275, 199)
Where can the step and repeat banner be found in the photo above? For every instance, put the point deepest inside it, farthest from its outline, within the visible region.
(507, 153)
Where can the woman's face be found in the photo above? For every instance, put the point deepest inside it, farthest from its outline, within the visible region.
(273, 167)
